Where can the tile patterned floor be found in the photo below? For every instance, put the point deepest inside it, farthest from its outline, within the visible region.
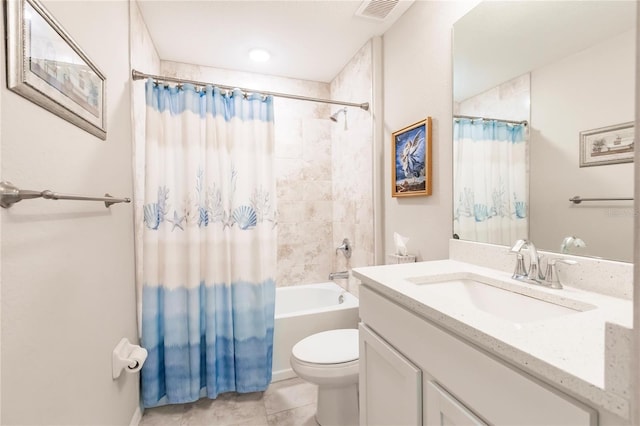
(287, 403)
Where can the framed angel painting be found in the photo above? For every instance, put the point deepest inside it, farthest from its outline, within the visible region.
(411, 164)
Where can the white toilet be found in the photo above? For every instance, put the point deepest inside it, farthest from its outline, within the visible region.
(330, 360)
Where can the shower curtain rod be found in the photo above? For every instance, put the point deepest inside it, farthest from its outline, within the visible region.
(525, 122)
(137, 75)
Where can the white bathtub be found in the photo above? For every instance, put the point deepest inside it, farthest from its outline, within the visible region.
(304, 310)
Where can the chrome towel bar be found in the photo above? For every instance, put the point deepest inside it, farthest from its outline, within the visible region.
(577, 199)
(11, 194)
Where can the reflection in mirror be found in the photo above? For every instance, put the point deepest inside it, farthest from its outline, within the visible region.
(490, 179)
(543, 94)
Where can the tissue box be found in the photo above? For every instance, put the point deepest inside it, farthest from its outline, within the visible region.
(393, 259)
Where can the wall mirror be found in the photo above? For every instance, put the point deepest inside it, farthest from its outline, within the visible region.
(544, 99)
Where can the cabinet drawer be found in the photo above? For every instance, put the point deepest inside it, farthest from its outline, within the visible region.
(497, 392)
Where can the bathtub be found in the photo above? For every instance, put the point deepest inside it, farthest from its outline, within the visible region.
(304, 310)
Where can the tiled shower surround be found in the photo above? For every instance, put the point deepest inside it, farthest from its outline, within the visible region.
(323, 172)
(509, 100)
(353, 164)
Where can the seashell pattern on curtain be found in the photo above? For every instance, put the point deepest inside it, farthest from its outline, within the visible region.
(490, 190)
(209, 243)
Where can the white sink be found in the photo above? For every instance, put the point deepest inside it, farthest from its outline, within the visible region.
(472, 293)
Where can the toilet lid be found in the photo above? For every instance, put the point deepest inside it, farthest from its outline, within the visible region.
(328, 347)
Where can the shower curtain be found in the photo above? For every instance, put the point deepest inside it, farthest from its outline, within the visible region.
(490, 181)
(209, 243)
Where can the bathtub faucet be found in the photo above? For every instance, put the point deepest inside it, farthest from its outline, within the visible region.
(339, 275)
(345, 248)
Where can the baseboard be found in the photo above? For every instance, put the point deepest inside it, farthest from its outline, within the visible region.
(137, 416)
(285, 374)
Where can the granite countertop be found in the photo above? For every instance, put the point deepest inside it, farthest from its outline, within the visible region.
(566, 351)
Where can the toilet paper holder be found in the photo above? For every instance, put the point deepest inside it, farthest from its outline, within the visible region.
(127, 357)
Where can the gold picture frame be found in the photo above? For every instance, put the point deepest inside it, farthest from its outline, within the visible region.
(411, 164)
(46, 66)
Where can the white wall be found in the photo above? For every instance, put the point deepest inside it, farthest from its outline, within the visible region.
(417, 79)
(67, 266)
(591, 89)
(144, 58)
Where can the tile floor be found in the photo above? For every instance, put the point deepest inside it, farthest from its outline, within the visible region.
(286, 403)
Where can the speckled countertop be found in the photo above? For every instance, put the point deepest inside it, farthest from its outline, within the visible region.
(566, 351)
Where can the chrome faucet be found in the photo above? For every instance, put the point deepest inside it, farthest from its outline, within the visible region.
(534, 274)
(534, 260)
(339, 275)
(551, 278)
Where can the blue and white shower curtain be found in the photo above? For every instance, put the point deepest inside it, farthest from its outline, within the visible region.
(209, 243)
(490, 195)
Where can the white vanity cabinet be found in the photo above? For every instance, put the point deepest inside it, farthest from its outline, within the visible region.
(386, 375)
(414, 372)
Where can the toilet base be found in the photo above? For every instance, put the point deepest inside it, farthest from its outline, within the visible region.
(338, 406)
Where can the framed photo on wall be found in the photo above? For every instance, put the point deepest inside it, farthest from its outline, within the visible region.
(607, 145)
(411, 160)
(46, 66)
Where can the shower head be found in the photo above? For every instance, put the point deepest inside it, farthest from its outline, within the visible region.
(334, 116)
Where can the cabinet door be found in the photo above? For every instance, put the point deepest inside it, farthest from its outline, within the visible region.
(445, 410)
(390, 385)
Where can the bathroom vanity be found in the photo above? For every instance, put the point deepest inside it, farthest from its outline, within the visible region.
(449, 342)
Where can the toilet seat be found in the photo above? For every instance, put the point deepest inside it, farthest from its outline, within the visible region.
(325, 366)
(328, 348)
(327, 375)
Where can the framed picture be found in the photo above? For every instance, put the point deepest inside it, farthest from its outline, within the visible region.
(607, 145)
(411, 164)
(47, 67)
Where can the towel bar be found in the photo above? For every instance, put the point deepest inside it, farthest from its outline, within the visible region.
(577, 199)
(11, 194)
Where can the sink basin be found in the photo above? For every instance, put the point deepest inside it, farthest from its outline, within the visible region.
(469, 293)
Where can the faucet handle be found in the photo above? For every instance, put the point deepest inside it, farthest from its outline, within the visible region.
(345, 248)
(517, 246)
(551, 277)
(521, 269)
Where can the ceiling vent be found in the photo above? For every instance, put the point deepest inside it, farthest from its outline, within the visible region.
(376, 9)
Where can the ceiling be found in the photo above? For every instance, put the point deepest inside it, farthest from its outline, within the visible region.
(307, 39)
